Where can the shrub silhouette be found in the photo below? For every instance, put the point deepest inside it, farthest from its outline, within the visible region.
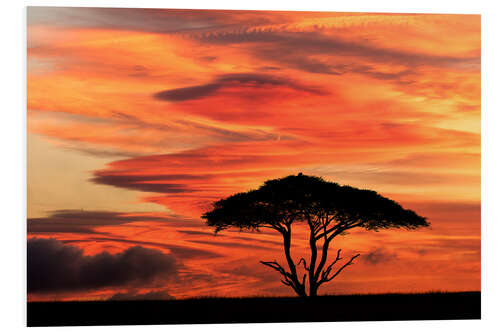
(328, 209)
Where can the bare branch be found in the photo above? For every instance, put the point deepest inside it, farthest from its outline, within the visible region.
(339, 228)
(286, 247)
(277, 267)
(286, 283)
(317, 224)
(328, 232)
(304, 261)
(279, 228)
(325, 275)
(337, 258)
(274, 265)
(288, 279)
(324, 256)
(341, 268)
(325, 221)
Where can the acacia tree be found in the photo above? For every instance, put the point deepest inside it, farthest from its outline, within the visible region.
(327, 208)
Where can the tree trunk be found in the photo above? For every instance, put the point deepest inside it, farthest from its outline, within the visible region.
(312, 264)
(299, 287)
(313, 290)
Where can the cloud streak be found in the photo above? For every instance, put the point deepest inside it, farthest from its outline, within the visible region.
(231, 80)
(85, 222)
(179, 251)
(379, 256)
(296, 48)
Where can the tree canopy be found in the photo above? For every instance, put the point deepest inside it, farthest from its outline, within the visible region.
(329, 209)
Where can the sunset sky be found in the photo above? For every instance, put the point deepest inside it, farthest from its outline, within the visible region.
(138, 119)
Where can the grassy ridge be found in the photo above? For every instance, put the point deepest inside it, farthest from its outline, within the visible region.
(429, 306)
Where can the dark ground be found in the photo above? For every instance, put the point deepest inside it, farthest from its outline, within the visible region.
(430, 306)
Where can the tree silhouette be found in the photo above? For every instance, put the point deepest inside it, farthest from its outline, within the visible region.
(328, 209)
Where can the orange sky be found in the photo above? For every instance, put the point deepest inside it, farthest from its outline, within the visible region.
(138, 119)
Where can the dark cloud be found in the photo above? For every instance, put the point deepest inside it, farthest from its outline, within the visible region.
(146, 183)
(53, 266)
(378, 256)
(269, 68)
(131, 19)
(146, 19)
(208, 58)
(295, 49)
(175, 182)
(75, 221)
(188, 93)
(84, 222)
(133, 296)
(316, 43)
(230, 80)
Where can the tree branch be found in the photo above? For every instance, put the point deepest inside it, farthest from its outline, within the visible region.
(289, 279)
(337, 258)
(286, 283)
(304, 261)
(274, 265)
(327, 232)
(323, 222)
(278, 227)
(324, 255)
(286, 246)
(338, 229)
(325, 275)
(314, 256)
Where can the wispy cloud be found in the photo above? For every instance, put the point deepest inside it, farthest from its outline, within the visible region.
(231, 80)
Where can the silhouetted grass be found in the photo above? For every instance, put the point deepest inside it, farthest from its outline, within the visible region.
(206, 310)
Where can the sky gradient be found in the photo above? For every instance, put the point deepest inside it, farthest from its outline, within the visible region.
(138, 119)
